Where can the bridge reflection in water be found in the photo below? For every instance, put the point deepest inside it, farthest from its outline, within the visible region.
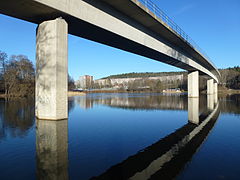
(52, 149)
(163, 159)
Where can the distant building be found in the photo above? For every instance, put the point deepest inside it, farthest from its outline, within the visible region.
(85, 82)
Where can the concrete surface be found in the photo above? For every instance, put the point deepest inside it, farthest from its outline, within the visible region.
(210, 87)
(193, 84)
(52, 70)
(122, 24)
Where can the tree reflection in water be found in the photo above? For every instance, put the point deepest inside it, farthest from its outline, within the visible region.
(16, 117)
(165, 158)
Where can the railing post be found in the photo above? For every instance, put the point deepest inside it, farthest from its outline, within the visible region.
(158, 13)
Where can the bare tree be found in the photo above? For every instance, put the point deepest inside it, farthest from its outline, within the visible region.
(71, 84)
(3, 62)
(19, 76)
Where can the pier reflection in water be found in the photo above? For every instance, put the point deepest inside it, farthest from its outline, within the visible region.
(52, 149)
(193, 110)
(122, 136)
(146, 101)
(165, 158)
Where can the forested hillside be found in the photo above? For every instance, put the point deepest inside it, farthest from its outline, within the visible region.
(144, 74)
(230, 77)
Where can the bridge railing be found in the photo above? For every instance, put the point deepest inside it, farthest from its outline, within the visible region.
(172, 25)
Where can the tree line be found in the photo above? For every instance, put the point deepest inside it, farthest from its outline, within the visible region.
(230, 78)
(143, 84)
(144, 74)
(17, 76)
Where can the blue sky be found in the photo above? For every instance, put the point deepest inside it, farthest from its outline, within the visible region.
(213, 24)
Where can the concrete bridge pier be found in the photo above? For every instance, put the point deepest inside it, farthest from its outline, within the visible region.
(193, 97)
(210, 86)
(52, 70)
(193, 84)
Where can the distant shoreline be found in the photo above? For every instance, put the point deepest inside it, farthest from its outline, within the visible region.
(229, 91)
(83, 93)
(76, 93)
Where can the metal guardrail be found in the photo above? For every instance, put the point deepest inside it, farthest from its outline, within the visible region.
(173, 26)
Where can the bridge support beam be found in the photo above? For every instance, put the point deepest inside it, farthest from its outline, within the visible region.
(193, 84)
(52, 70)
(210, 87)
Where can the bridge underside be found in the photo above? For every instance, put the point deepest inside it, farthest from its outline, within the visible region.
(122, 24)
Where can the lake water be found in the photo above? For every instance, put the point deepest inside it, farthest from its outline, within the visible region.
(123, 136)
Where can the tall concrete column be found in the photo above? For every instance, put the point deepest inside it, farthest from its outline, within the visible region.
(52, 70)
(193, 84)
(193, 110)
(210, 86)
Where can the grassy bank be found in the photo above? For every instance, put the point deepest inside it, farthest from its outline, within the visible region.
(76, 93)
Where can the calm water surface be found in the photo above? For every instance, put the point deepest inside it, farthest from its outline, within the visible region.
(123, 136)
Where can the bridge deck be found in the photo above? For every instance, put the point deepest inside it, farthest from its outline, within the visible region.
(128, 11)
(145, 15)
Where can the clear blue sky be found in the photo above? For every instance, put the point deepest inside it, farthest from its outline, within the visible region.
(213, 24)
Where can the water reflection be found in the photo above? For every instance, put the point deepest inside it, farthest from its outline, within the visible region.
(165, 158)
(193, 110)
(16, 117)
(146, 102)
(84, 102)
(52, 149)
(162, 160)
(137, 101)
(230, 104)
(210, 101)
(215, 98)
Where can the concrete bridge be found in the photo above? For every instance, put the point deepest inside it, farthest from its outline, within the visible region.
(135, 26)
